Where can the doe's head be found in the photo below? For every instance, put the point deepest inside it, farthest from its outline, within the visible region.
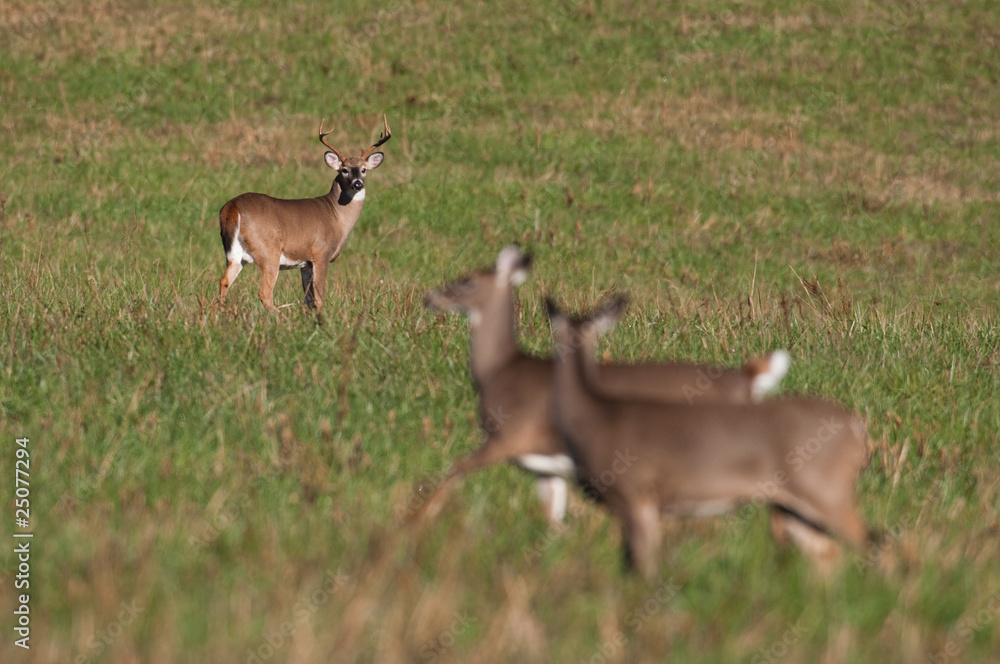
(580, 333)
(475, 292)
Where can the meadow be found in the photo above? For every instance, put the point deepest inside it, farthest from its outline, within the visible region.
(211, 483)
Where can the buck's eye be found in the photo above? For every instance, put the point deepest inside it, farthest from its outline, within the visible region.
(363, 170)
(345, 172)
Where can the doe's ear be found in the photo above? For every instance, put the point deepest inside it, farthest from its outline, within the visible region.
(374, 160)
(332, 160)
(609, 313)
(513, 266)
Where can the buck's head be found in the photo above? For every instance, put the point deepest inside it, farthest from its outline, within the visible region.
(351, 171)
(475, 293)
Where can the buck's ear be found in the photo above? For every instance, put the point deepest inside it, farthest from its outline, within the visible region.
(332, 160)
(374, 160)
(513, 266)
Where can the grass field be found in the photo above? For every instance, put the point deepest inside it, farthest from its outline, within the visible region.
(214, 484)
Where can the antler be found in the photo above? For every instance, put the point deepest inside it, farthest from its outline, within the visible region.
(322, 139)
(386, 135)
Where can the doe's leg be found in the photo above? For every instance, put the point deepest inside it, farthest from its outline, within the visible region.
(553, 494)
(822, 550)
(641, 533)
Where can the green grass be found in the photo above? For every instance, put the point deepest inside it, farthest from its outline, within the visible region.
(754, 174)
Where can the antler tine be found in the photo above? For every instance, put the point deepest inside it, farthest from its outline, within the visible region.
(386, 135)
(322, 139)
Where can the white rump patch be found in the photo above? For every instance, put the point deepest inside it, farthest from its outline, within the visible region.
(548, 464)
(777, 367)
(237, 252)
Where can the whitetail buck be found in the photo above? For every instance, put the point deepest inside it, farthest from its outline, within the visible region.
(646, 458)
(515, 389)
(307, 233)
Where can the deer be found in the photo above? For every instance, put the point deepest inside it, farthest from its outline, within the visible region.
(307, 233)
(647, 458)
(516, 389)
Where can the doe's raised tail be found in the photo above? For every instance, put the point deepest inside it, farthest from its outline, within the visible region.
(767, 372)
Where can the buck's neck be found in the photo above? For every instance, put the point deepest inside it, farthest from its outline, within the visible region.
(346, 205)
(492, 337)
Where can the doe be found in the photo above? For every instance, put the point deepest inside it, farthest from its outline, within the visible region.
(800, 455)
(515, 388)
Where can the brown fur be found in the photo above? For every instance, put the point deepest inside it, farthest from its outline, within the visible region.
(800, 455)
(516, 389)
(309, 231)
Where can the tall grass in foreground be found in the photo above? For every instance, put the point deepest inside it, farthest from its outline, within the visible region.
(211, 483)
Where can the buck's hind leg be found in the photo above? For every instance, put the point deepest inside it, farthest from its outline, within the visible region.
(229, 276)
(308, 284)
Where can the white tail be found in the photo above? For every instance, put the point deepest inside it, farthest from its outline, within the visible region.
(516, 389)
(307, 234)
(645, 458)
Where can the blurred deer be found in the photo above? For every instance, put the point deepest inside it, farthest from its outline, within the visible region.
(516, 389)
(644, 457)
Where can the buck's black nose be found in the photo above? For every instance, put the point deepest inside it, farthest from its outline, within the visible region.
(357, 185)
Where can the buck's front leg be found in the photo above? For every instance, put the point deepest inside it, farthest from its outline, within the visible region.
(318, 284)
